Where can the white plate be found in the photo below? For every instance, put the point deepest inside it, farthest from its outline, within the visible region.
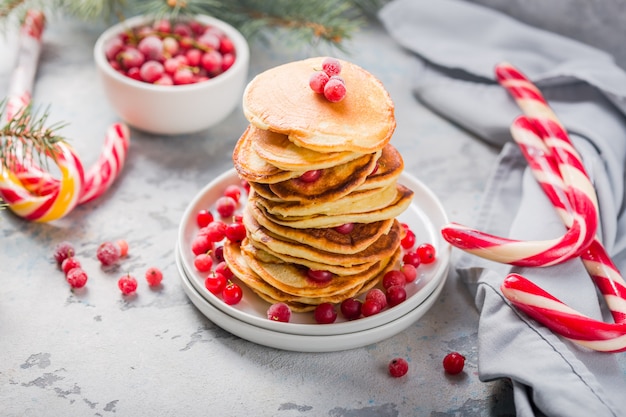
(298, 342)
(425, 216)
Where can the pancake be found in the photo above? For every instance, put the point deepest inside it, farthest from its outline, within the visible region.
(252, 168)
(332, 184)
(362, 236)
(281, 100)
(401, 202)
(355, 202)
(279, 151)
(381, 248)
(388, 169)
(292, 279)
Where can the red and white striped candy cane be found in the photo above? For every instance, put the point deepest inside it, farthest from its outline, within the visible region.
(27, 184)
(598, 263)
(561, 319)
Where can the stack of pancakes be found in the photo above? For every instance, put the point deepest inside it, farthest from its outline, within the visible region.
(293, 225)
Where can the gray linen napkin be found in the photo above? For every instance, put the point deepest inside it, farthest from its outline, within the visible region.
(457, 46)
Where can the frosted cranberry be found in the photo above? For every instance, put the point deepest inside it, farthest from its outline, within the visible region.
(209, 40)
(194, 57)
(163, 25)
(325, 313)
(134, 73)
(331, 66)
(311, 176)
(131, 58)
(151, 71)
(409, 271)
(318, 81)
(351, 308)
(393, 277)
(226, 46)
(203, 262)
(108, 253)
(335, 90)
(345, 228)
(227, 61)
(201, 244)
(233, 191)
(62, 251)
(225, 206)
(182, 29)
(370, 307)
(154, 276)
(396, 294)
(151, 47)
(69, 263)
(197, 28)
(279, 312)
(212, 62)
(123, 246)
(113, 47)
(377, 295)
(398, 367)
(77, 278)
(319, 276)
(164, 80)
(204, 217)
(215, 231)
(183, 76)
(170, 46)
(127, 284)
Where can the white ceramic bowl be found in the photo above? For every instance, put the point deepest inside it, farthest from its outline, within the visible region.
(178, 109)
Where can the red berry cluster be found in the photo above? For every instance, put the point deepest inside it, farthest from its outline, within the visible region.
(108, 253)
(207, 245)
(171, 53)
(328, 82)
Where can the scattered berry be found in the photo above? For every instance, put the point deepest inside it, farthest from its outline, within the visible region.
(393, 277)
(215, 283)
(318, 81)
(311, 176)
(345, 228)
(223, 269)
(410, 272)
(408, 241)
(325, 313)
(233, 191)
(201, 244)
(351, 308)
(378, 296)
(226, 206)
(76, 277)
(108, 253)
(69, 263)
(453, 363)
(319, 276)
(218, 252)
(154, 276)
(203, 218)
(370, 307)
(412, 258)
(123, 245)
(215, 231)
(232, 294)
(335, 89)
(398, 367)
(203, 262)
(426, 253)
(279, 312)
(396, 294)
(62, 251)
(235, 232)
(331, 66)
(127, 284)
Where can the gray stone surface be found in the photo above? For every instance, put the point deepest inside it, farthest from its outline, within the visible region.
(95, 353)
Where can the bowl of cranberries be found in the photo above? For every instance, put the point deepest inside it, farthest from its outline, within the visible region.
(172, 77)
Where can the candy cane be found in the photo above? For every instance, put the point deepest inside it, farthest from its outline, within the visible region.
(55, 204)
(561, 319)
(602, 270)
(27, 184)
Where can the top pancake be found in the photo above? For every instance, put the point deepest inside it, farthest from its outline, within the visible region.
(281, 100)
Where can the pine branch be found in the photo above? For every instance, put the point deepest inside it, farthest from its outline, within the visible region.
(27, 136)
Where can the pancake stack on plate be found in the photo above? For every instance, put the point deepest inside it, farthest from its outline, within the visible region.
(295, 225)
